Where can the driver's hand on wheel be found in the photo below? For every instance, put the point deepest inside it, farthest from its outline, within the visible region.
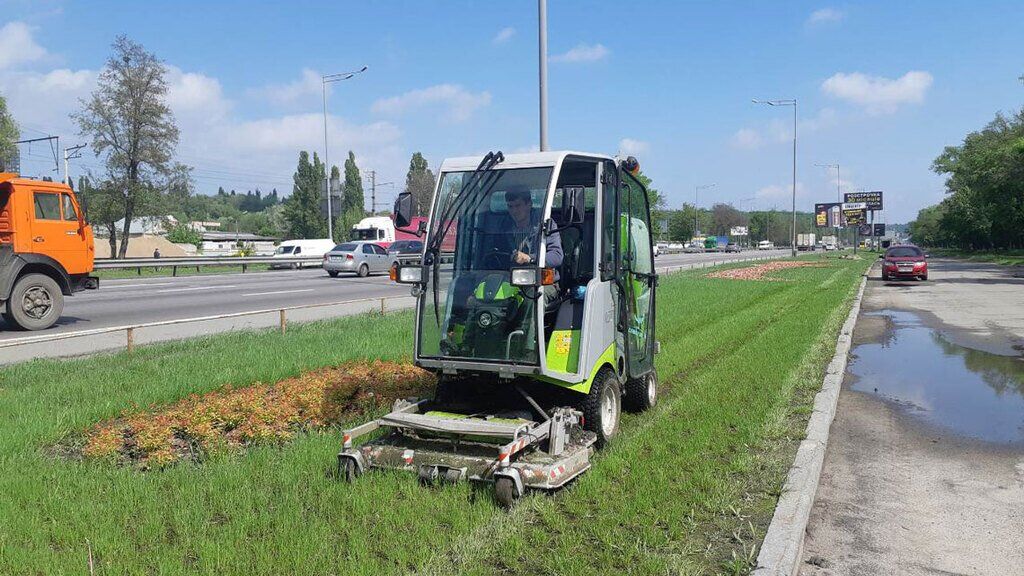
(521, 257)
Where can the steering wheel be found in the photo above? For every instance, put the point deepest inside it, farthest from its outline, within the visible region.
(502, 259)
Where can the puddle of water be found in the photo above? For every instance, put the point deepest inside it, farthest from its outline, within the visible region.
(972, 393)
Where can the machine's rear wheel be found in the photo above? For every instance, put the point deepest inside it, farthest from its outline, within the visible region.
(602, 407)
(642, 393)
(505, 491)
(36, 302)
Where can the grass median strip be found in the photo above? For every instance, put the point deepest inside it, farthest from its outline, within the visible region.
(688, 487)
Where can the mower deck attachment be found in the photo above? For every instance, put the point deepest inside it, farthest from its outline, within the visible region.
(515, 454)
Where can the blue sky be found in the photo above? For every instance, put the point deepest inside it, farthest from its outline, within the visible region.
(882, 86)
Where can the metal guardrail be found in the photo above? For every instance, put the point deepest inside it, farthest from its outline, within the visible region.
(129, 330)
(174, 262)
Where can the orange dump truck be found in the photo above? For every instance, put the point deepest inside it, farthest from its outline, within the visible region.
(46, 251)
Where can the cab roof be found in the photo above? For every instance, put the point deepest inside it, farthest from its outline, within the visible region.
(524, 160)
(16, 180)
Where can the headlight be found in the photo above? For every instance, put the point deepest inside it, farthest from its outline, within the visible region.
(533, 276)
(408, 274)
(919, 263)
(485, 319)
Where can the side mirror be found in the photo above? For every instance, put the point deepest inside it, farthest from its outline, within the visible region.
(403, 210)
(575, 204)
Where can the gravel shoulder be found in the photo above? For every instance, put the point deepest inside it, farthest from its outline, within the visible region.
(899, 495)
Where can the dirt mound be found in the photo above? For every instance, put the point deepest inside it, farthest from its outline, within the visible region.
(259, 414)
(142, 247)
(761, 271)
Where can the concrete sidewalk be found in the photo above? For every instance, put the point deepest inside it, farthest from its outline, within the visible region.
(924, 471)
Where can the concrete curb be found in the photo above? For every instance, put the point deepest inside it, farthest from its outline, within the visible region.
(783, 544)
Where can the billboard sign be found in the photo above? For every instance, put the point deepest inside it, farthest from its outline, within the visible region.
(879, 230)
(827, 215)
(872, 199)
(738, 231)
(864, 229)
(855, 217)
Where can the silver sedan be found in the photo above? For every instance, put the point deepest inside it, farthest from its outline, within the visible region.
(362, 258)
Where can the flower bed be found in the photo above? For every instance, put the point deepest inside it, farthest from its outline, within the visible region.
(259, 414)
(761, 271)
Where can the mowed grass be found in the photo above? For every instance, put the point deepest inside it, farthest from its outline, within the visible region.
(687, 488)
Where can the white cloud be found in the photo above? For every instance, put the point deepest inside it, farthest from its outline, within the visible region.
(17, 45)
(582, 53)
(504, 35)
(777, 193)
(631, 147)
(459, 102)
(825, 16)
(877, 94)
(190, 93)
(308, 85)
(747, 139)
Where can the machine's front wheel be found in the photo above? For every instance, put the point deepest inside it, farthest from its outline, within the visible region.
(602, 407)
(642, 393)
(506, 492)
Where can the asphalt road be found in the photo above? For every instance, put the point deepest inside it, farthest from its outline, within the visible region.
(138, 301)
(924, 469)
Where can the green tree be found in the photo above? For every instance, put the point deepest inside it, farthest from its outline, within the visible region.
(302, 212)
(680, 224)
(131, 126)
(419, 181)
(103, 207)
(8, 136)
(725, 217)
(182, 233)
(355, 200)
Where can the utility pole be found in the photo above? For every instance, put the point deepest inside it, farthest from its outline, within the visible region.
(373, 190)
(71, 153)
(789, 102)
(542, 33)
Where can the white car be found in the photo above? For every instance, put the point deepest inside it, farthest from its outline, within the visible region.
(302, 249)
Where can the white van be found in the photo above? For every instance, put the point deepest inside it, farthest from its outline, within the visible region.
(302, 249)
(765, 245)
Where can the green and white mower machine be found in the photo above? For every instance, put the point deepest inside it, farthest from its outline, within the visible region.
(535, 308)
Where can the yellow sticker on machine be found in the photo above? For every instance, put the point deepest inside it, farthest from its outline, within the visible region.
(564, 350)
(563, 342)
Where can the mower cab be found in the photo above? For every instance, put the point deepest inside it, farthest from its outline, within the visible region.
(535, 307)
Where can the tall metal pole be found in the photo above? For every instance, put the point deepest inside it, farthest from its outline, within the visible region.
(542, 20)
(792, 235)
(327, 168)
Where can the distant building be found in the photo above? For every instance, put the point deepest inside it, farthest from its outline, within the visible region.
(204, 226)
(229, 243)
(146, 226)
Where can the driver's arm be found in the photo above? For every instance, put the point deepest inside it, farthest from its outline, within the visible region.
(553, 250)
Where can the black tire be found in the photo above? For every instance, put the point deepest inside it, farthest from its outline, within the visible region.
(606, 388)
(505, 492)
(885, 277)
(45, 304)
(924, 278)
(364, 270)
(348, 470)
(332, 273)
(295, 266)
(641, 393)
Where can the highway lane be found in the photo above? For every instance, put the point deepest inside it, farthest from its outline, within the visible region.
(137, 301)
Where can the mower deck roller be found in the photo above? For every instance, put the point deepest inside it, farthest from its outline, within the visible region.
(444, 447)
(535, 308)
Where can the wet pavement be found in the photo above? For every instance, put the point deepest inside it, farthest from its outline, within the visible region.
(924, 468)
(968, 392)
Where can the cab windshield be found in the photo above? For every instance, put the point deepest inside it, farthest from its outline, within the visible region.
(471, 309)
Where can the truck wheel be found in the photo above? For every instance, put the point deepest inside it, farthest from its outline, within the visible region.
(36, 302)
(602, 407)
(642, 393)
(364, 270)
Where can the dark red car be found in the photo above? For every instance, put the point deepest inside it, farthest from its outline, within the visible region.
(908, 262)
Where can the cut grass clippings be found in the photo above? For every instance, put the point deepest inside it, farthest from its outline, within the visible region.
(687, 488)
(234, 418)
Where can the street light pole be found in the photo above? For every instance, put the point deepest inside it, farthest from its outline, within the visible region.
(789, 102)
(542, 37)
(324, 81)
(695, 211)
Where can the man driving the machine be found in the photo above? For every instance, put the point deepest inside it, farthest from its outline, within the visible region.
(523, 229)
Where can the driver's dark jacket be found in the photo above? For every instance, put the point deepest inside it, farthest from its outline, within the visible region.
(552, 244)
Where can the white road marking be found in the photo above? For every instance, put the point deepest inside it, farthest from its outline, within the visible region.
(193, 289)
(116, 286)
(279, 292)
